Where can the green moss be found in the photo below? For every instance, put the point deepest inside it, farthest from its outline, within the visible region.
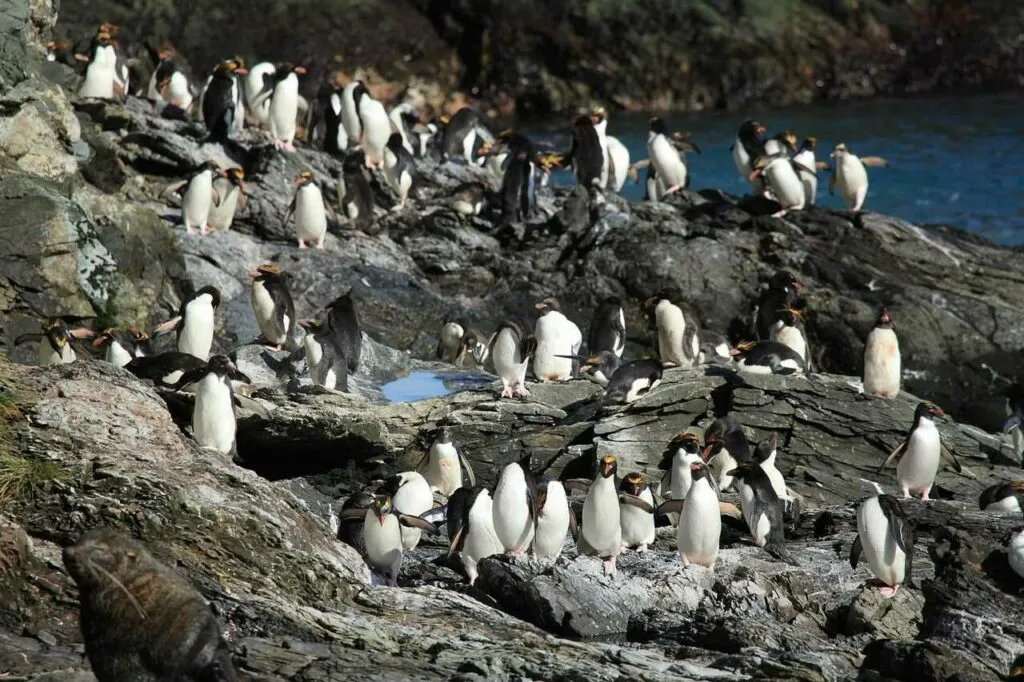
(24, 480)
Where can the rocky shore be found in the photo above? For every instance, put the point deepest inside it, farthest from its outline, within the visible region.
(86, 445)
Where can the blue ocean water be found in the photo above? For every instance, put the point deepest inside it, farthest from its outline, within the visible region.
(952, 160)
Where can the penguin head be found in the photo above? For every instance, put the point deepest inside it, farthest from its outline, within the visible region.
(787, 138)
(103, 38)
(444, 435)
(236, 176)
(745, 469)
(687, 442)
(304, 178)
(742, 348)
(884, 321)
(809, 144)
(598, 114)
(471, 344)
(840, 149)
(382, 507)
(137, 335)
(208, 165)
(547, 305)
(212, 292)
(106, 337)
(265, 272)
(284, 69)
(784, 281)
(657, 126)
(311, 326)
(682, 142)
(750, 130)
(108, 28)
(56, 331)
(633, 483)
(766, 448)
(221, 365)
(790, 316)
(166, 51)
(584, 122)
(607, 466)
(926, 410)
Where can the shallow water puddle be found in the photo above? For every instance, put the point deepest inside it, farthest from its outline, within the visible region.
(424, 384)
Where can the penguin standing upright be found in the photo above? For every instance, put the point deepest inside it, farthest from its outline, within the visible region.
(327, 364)
(554, 520)
(601, 532)
(230, 187)
(747, 147)
(519, 182)
(615, 169)
(195, 322)
(807, 169)
(511, 351)
(398, 168)
(345, 332)
(665, 159)
(850, 176)
(685, 451)
(780, 177)
(282, 88)
(350, 519)
(765, 454)
(783, 291)
(350, 96)
(556, 336)
(885, 536)
(1003, 497)
(104, 78)
(633, 380)
(410, 493)
(170, 80)
(791, 333)
(515, 507)
(762, 509)
(767, 357)
(608, 328)
(55, 341)
(780, 144)
(678, 331)
(120, 348)
(221, 100)
(586, 154)
(700, 523)
(199, 196)
(442, 465)
(355, 195)
(257, 106)
(273, 305)
(920, 453)
(382, 535)
(376, 129)
(213, 415)
(458, 139)
(452, 332)
(725, 448)
(309, 210)
(882, 373)
(471, 528)
(637, 523)
(325, 126)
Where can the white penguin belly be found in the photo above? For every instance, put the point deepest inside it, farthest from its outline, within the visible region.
(263, 306)
(790, 336)
(197, 328)
(376, 129)
(775, 478)
(671, 330)
(619, 157)
(413, 498)
(1007, 504)
(667, 163)
(785, 184)
(481, 541)
(507, 363)
(284, 106)
(637, 526)
(809, 180)
(178, 92)
(117, 355)
(919, 465)
(383, 543)
(198, 199)
(852, 180)
(552, 523)
(213, 417)
(400, 181)
(741, 158)
(222, 215)
(99, 80)
(314, 351)
(444, 471)
(700, 526)
(310, 215)
(601, 521)
(682, 479)
(511, 515)
(882, 363)
(1015, 554)
(721, 464)
(48, 356)
(886, 560)
(553, 338)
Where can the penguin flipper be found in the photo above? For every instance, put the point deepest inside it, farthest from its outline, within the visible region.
(673, 506)
(894, 455)
(416, 522)
(353, 513)
(634, 501)
(579, 484)
(951, 458)
(874, 161)
(729, 510)
(168, 326)
(574, 527)
(290, 211)
(468, 468)
(779, 551)
(25, 338)
(855, 551)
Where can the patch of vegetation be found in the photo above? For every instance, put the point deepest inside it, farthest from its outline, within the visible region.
(24, 479)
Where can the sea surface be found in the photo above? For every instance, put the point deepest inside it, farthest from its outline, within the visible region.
(955, 161)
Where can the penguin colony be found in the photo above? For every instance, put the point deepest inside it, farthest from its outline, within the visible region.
(527, 513)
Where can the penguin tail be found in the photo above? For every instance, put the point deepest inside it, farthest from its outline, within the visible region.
(781, 553)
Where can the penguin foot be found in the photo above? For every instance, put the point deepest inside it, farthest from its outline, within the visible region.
(205, 230)
(507, 392)
(189, 230)
(889, 592)
(924, 496)
(641, 548)
(609, 566)
(521, 392)
(320, 244)
(302, 244)
(398, 207)
(779, 214)
(671, 190)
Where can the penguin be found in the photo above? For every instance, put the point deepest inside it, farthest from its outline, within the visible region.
(792, 333)
(376, 129)
(470, 521)
(511, 350)
(350, 96)
(199, 196)
(555, 520)
(451, 336)
(410, 493)
(230, 187)
(474, 350)
(637, 523)
(458, 139)
(382, 535)
(398, 115)
(121, 347)
(600, 367)
(398, 169)
(165, 369)
(783, 291)
(56, 340)
(194, 322)
(725, 448)
(1014, 424)
(515, 507)
(256, 105)
(601, 532)
(764, 454)
(61, 51)
(615, 168)
(467, 199)
(327, 364)
(104, 76)
(1015, 553)
(683, 451)
(273, 305)
(282, 89)
(1003, 497)
(423, 135)
(633, 380)
(222, 107)
(556, 336)
(213, 415)
(309, 210)
(665, 159)
(608, 328)
(678, 330)
(700, 522)
(170, 80)
(519, 182)
(782, 180)
(882, 372)
(747, 147)
(762, 509)
(850, 176)
(350, 524)
(586, 154)
(918, 456)
(325, 125)
(885, 536)
(780, 144)
(713, 347)
(344, 329)
(807, 169)
(442, 465)
(355, 195)
(767, 357)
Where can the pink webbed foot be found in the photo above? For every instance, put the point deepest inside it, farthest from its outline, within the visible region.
(609, 566)
(320, 244)
(521, 391)
(506, 391)
(205, 230)
(302, 244)
(672, 190)
(889, 592)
